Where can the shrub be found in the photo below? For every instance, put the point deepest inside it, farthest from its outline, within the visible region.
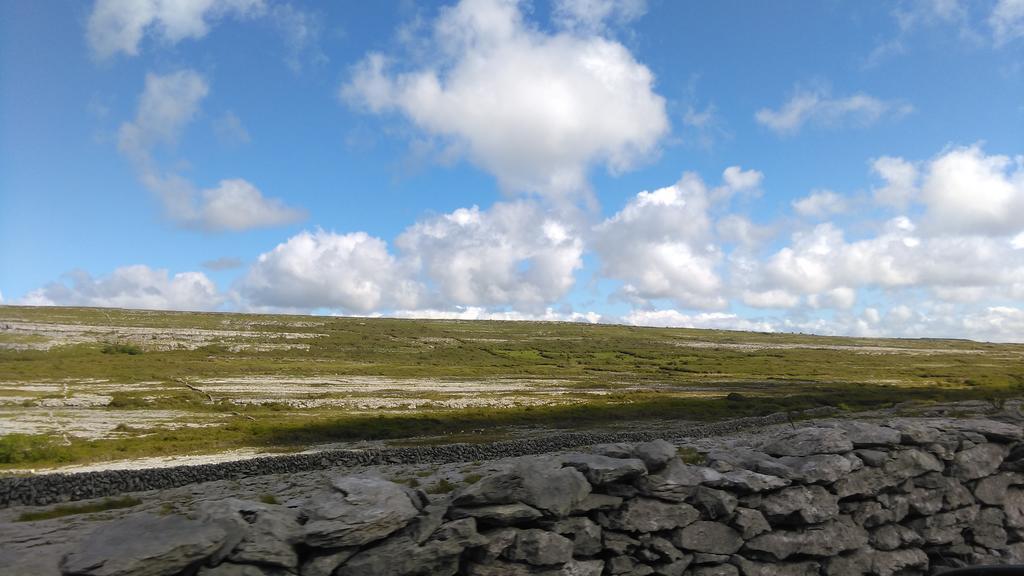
(119, 348)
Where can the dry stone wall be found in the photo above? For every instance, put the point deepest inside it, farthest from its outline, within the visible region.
(913, 496)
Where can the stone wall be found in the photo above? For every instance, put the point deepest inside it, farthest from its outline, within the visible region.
(837, 498)
(52, 488)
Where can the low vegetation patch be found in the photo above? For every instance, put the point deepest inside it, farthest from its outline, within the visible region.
(72, 509)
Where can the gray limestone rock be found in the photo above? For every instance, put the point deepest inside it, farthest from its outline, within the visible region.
(714, 504)
(748, 481)
(401, 556)
(823, 468)
(752, 568)
(618, 543)
(648, 515)
(910, 462)
(808, 441)
(866, 434)
(865, 482)
(823, 540)
(677, 481)
(584, 533)
(539, 547)
(595, 501)
(1013, 507)
(553, 490)
(497, 514)
(750, 523)
(873, 458)
(987, 528)
(978, 462)
(893, 536)
(707, 537)
(503, 568)
(603, 470)
(325, 564)
(799, 505)
(992, 490)
(232, 569)
(992, 430)
(655, 454)
(677, 568)
(944, 528)
(149, 545)
(898, 561)
(271, 531)
(356, 511)
(753, 460)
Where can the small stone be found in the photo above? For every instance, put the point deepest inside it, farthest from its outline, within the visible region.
(824, 468)
(825, 540)
(808, 441)
(595, 501)
(752, 568)
(978, 462)
(873, 458)
(750, 523)
(677, 481)
(709, 537)
(539, 547)
(584, 533)
(910, 462)
(648, 515)
(497, 514)
(618, 543)
(718, 570)
(799, 505)
(748, 481)
(655, 454)
(864, 434)
(713, 503)
(600, 470)
(992, 490)
(553, 490)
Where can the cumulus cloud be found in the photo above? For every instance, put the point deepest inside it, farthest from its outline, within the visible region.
(821, 204)
(661, 244)
(818, 108)
(1007, 21)
(480, 313)
(900, 179)
(587, 101)
(593, 16)
(222, 263)
(671, 318)
(167, 104)
(119, 25)
(353, 272)
(967, 191)
(130, 287)
(513, 254)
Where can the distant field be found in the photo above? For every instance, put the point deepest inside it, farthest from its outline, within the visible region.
(84, 385)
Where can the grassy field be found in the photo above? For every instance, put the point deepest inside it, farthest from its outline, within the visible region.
(83, 385)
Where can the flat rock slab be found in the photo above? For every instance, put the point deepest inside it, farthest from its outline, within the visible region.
(808, 441)
(356, 511)
(148, 545)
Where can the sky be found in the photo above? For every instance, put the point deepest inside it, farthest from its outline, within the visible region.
(834, 167)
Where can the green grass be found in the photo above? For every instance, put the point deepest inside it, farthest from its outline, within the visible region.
(72, 509)
(657, 374)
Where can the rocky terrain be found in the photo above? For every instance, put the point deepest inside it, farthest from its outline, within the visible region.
(910, 495)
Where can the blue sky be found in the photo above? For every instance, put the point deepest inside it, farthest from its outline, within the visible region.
(828, 167)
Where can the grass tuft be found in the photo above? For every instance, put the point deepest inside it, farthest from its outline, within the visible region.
(72, 509)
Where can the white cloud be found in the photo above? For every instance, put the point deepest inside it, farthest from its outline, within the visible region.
(817, 107)
(1007, 21)
(119, 25)
(480, 313)
(714, 320)
(238, 205)
(593, 16)
(537, 110)
(230, 130)
(131, 287)
(966, 191)
(660, 245)
(821, 204)
(513, 254)
(900, 179)
(771, 299)
(352, 272)
(167, 104)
